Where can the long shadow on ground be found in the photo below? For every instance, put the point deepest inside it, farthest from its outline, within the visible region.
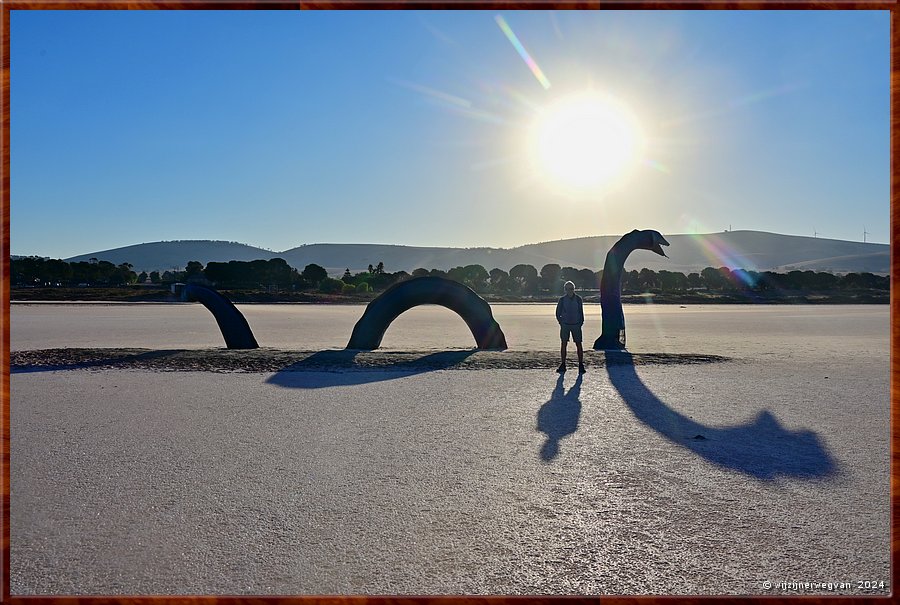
(763, 449)
(559, 417)
(339, 368)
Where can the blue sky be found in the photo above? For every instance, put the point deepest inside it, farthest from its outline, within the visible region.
(416, 127)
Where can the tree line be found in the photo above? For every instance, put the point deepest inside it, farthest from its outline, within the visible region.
(522, 279)
(35, 271)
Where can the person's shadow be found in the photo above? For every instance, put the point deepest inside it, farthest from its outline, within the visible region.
(559, 417)
(763, 448)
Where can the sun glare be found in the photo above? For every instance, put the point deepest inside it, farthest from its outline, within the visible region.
(586, 141)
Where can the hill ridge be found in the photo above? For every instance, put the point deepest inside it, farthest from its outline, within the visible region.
(744, 249)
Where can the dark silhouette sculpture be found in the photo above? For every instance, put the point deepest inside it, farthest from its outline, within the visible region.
(475, 311)
(232, 323)
(613, 331)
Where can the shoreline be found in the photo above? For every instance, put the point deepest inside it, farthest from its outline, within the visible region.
(268, 359)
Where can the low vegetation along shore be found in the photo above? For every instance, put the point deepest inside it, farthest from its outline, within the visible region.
(37, 279)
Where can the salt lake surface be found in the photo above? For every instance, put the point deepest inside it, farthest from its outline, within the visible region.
(733, 330)
(719, 478)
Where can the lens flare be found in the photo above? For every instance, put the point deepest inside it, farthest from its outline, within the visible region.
(514, 40)
(721, 254)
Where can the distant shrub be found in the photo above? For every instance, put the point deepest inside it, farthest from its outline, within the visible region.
(348, 289)
(363, 287)
(329, 285)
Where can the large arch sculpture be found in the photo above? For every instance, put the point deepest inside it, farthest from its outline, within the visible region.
(475, 311)
(613, 332)
(232, 323)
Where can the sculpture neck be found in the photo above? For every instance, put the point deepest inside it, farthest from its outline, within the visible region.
(615, 259)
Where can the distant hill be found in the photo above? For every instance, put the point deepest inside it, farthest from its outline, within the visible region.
(752, 250)
(163, 256)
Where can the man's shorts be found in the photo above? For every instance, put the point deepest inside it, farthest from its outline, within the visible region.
(573, 329)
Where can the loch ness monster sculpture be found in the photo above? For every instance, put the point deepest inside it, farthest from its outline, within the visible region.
(234, 326)
(613, 331)
(474, 310)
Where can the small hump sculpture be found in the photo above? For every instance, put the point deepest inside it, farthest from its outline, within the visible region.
(613, 332)
(232, 323)
(475, 311)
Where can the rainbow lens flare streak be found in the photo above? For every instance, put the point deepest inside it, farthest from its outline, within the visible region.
(514, 40)
(720, 253)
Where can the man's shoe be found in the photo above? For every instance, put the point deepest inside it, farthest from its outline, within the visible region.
(561, 368)
(581, 369)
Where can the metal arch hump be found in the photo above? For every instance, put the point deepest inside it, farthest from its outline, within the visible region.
(399, 298)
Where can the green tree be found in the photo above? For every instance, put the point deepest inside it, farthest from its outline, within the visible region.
(863, 281)
(363, 287)
(419, 272)
(220, 274)
(142, 277)
(57, 271)
(647, 279)
(712, 278)
(347, 278)
(122, 275)
(499, 279)
(193, 268)
(631, 281)
(730, 281)
(348, 288)
(742, 280)
(525, 277)
(276, 272)
(154, 277)
(457, 274)
(567, 274)
(694, 280)
(587, 280)
(477, 277)
(550, 277)
(314, 274)
(825, 281)
(668, 280)
(473, 276)
(330, 285)
(107, 273)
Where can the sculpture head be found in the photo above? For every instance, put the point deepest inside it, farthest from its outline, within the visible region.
(648, 239)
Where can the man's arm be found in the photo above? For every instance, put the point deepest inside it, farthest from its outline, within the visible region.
(581, 310)
(559, 310)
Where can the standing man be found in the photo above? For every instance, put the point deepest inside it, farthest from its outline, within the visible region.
(570, 315)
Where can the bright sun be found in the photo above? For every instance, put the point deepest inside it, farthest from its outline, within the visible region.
(586, 141)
